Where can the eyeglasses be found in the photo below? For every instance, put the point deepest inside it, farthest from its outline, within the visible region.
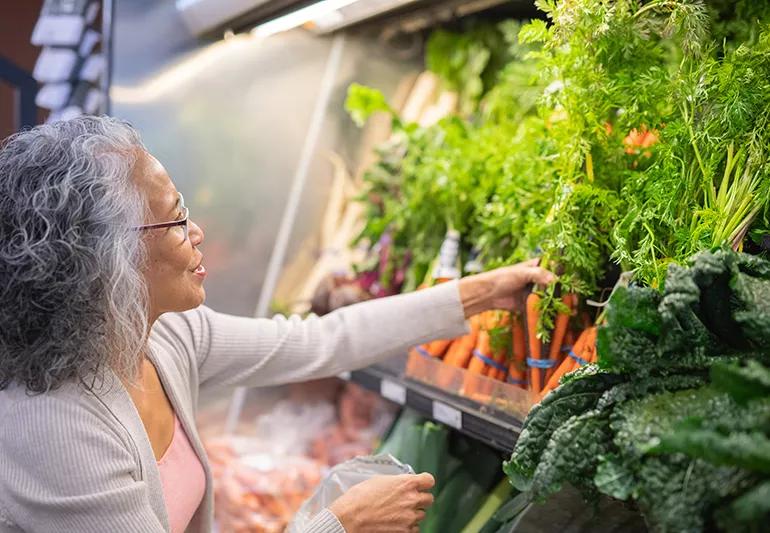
(182, 222)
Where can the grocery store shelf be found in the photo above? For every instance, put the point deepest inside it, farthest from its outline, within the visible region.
(495, 428)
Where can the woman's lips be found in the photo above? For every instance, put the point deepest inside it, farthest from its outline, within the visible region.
(200, 271)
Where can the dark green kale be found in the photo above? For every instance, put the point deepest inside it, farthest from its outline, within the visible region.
(572, 398)
(675, 492)
(572, 454)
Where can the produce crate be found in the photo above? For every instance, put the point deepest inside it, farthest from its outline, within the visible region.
(483, 390)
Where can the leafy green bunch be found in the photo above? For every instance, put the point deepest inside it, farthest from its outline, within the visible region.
(602, 429)
(450, 175)
(611, 67)
(709, 183)
(738, 442)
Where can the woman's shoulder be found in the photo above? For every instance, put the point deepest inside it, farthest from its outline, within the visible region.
(65, 412)
(65, 433)
(61, 449)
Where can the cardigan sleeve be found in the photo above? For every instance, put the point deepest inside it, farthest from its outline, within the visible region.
(324, 522)
(231, 351)
(63, 469)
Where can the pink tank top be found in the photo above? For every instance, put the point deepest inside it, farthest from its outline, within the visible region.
(183, 480)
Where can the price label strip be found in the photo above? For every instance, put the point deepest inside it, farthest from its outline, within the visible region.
(447, 415)
(395, 392)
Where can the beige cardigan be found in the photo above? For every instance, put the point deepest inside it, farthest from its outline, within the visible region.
(74, 461)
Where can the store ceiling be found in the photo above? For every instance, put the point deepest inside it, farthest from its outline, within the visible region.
(212, 17)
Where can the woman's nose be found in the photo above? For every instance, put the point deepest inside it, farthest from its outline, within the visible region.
(196, 233)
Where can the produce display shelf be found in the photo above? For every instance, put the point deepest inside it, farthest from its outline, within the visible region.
(495, 428)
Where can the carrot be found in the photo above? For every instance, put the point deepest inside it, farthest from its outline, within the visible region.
(565, 367)
(517, 368)
(482, 349)
(581, 351)
(559, 331)
(495, 358)
(436, 348)
(569, 340)
(501, 355)
(589, 351)
(431, 349)
(459, 352)
(486, 361)
(533, 343)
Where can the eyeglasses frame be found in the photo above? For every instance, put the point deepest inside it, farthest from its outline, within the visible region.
(183, 222)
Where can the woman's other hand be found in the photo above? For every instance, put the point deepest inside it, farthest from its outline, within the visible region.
(501, 288)
(391, 504)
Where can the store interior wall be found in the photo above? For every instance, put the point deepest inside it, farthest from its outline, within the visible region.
(228, 119)
(16, 24)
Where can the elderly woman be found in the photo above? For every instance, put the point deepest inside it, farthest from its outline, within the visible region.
(105, 346)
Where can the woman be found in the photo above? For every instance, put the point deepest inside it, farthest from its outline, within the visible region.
(105, 346)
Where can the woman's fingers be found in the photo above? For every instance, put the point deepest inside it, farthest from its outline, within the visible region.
(539, 275)
(424, 500)
(425, 481)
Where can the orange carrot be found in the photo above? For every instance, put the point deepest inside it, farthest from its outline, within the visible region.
(487, 361)
(569, 341)
(459, 352)
(559, 331)
(533, 343)
(490, 320)
(477, 364)
(438, 347)
(585, 342)
(584, 348)
(517, 369)
(565, 367)
(502, 353)
(432, 349)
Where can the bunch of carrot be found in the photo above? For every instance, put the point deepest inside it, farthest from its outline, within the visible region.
(504, 346)
(563, 355)
(582, 353)
(543, 359)
(494, 348)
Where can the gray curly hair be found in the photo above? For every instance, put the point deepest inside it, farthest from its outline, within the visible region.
(73, 300)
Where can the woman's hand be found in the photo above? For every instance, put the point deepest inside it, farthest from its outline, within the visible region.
(392, 504)
(501, 288)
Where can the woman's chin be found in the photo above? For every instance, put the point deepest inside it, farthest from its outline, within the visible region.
(201, 297)
(195, 299)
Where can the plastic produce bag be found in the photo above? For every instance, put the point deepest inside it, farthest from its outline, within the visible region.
(341, 478)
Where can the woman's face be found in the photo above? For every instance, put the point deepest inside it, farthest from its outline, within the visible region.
(174, 272)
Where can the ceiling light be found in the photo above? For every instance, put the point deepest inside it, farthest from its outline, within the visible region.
(300, 17)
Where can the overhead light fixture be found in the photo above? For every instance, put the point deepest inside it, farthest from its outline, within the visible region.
(184, 4)
(299, 17)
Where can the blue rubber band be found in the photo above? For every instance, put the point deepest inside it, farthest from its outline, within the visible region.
(489, 361)
(566, 348)
(422, 351)
(577, 358)
(509, 379)
(541, 363)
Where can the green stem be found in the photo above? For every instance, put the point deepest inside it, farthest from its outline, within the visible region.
(654, 5)
(590, 167)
